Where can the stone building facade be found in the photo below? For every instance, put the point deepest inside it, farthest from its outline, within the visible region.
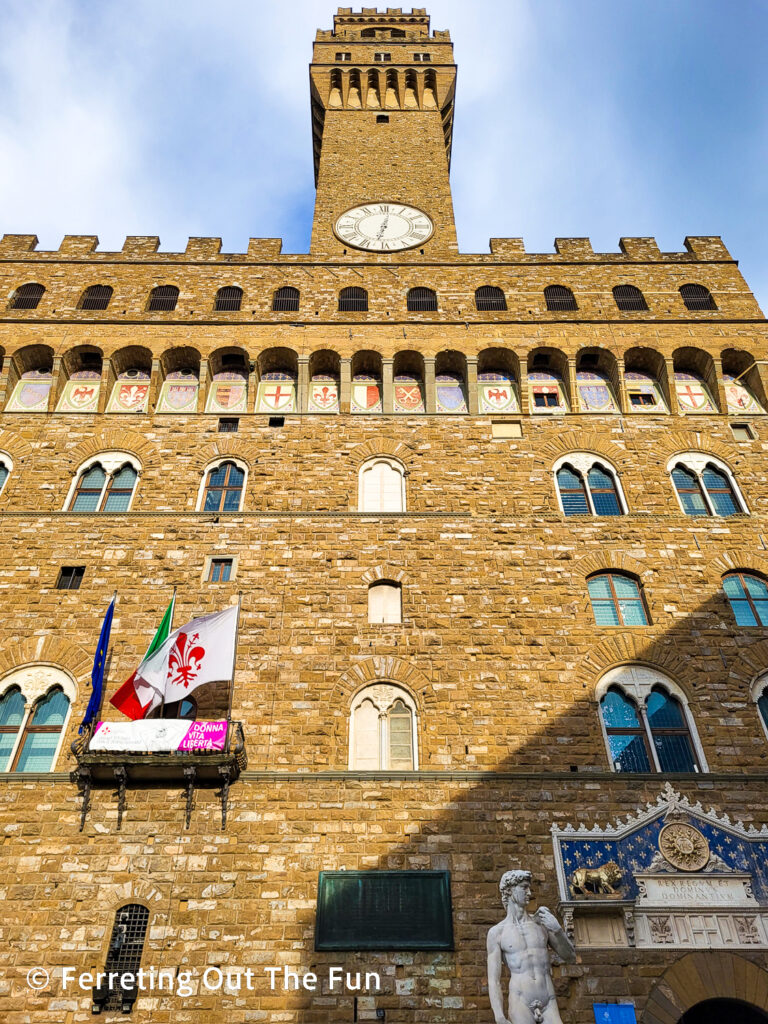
(465, 534)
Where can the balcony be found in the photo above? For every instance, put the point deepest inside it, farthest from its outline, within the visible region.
(166, 753)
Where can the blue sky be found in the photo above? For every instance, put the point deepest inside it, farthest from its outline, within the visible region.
(573, 117)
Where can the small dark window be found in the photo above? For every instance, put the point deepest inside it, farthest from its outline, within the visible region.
(228, 425)
(641, 398)
(228, 299)
(546, 400)
(276, 421)
(489, 298)
(382, 57)
(220, 571)
(629, 299)
(96, 297)
(368, 33)
(185, 708)
(163, 298)
(424, 58)
(343, 56)
(742, 432)
(126, 945)
(559, 298)
(70, 577)
(697, 297)
(422, 300)
(353, 300)
(27, 297)
(286, 300)
(382, 119)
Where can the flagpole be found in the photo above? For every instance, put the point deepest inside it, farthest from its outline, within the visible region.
(234, 660)
(170, 630)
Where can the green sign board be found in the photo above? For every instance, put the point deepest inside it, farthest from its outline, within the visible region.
(384, 910)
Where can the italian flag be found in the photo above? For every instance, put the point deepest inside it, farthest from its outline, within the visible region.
(127, 697)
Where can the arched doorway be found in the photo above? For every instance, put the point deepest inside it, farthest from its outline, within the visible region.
(709, 987)
(718, 1011)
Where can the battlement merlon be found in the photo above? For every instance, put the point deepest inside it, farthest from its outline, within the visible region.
(698, 249)
(389, 24)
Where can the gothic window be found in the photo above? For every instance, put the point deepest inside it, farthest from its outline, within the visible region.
(383, 730)
(385, 602)
(228, 299)
(616, 600)
(104, 486)
(353, 300)
(96, 297)
(646, 722)
(163, 298)
(223, 491)
(587, 487)
(286, 300)
(629, 299)
(559, 298)
(126, 945)
(422, 300)
(697, 297)
(27, 297)
(11, 718)
(489, 298)
(748, 597)
(381, 486)
(704, 488)
(41, 733)
(4, 472)
(759, 695)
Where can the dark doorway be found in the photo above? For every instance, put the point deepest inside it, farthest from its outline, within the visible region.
(723, 1011)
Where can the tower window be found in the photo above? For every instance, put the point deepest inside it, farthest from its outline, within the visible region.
(382, 57)
(422, 58)
(286, 300)
(696, 297)
(489, 298)
(343, 56)
(163, 298)
(96, 297)
(70, 577)
(629, 299)
(27, 297)
(559, 298)
(422, 300)
(228, 299)
(353, 300)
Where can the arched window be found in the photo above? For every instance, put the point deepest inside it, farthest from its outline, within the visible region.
(383, 730)
(748, 597)
(40, 737)
(697, 297)
(705, 489)
(228, 299)
(646, 722)
(385, 602)
(11, 718)
(96, 297)
(163, 298)
(285, 300)
(629, 299)
(353, 300)
(559, 298)
(760, 697)
(27, 297)
(490, 299)
(422, 300)
(381, 486)
(4, 471)
(616, 600)
(587, 487)
(223, 490)
(126, 945)
(104, 486)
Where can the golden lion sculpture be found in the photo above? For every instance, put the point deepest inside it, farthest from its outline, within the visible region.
(600, 881)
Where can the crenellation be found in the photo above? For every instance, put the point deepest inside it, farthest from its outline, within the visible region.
(78, 245)
(707, 247)
(574, 248)
(138, 246)
(643, 249)
(17, 245)
(203, 248)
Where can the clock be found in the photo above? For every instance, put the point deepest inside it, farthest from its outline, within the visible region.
(384, 227)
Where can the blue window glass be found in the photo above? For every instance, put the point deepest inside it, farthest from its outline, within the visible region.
(11, 717)
(626, 735)
(572, 493)
(689, 492)
(120, 490)
(605, 497)
(3, 474)
(748, 597)
(224, 488)
(89, 488)
(41, 735)
(720, 492)
(670, 733)
(616, 601)
(762, 706)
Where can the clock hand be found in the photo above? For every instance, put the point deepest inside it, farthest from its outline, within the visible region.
(383, 228)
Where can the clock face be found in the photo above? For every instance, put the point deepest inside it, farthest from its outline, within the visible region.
(384, 227)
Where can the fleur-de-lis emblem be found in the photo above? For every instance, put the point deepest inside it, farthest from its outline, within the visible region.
(185, 660)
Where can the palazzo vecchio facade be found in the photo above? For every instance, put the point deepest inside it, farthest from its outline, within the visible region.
(499, 527)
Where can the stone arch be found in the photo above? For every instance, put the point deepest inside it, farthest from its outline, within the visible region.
(384, 572)
(137, 890)
(608, 559)
(584, 441)
(735, 559)
(677, 441)
(381, 446)
(749, 663)
(114, 439)
(225, 446)
(630, 649)
(48, 650)
(693, 978)
(16, 447)
(386, 669)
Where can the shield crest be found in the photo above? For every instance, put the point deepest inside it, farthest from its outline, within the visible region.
(275, 396)
(738, 396)
(595, 397)
(450, 395)
(496, 398)
(366, 397)
(180, 396)
(229, 396)
(129, 398)
(692, 396)
(408, 396)
(32, 394)
(324, 397)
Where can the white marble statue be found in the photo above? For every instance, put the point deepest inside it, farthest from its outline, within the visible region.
(522, 941)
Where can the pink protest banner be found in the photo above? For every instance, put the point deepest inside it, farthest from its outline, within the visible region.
(159, 735)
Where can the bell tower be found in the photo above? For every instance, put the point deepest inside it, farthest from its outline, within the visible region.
(382, 93)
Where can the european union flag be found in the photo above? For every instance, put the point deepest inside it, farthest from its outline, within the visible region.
(614, 1013)
(97, 674)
